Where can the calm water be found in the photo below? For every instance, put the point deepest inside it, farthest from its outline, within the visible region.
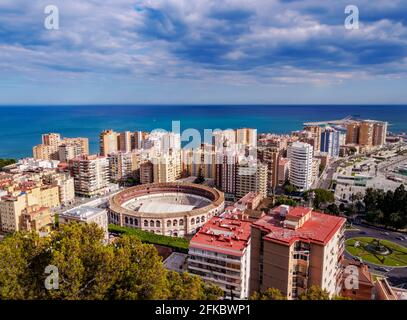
(21, 126)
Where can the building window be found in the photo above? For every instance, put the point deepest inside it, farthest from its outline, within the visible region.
(168, 223)
(151, 223)
(126, 220)
(193, 221)
(145, 223)
(157, 224)
(175, 223)
(135, 222)
(131, 220)
(203, 219)
(181, 222)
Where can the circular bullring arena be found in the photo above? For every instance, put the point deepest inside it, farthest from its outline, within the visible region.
(172, 209)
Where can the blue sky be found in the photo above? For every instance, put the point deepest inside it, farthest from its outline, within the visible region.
(203, 51)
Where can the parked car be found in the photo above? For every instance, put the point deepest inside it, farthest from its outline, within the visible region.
(402, 238)
(362, 232)
(383, 269)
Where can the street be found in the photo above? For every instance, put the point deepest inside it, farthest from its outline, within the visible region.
(397, 276)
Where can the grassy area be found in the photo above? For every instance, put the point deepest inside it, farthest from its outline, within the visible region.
(178, 244)
(397, 258)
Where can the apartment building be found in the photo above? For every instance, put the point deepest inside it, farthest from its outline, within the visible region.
(53, 147)
(295, 248)
(283, 171)
(91, 174)
(123, 165)
(251, 177)
(65, 184)
(146, 172)
(35, 218)
(167, 168)
(220, 253)
(225, 178)
(300, 155)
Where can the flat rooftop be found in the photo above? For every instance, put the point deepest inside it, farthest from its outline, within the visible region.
(83, 212)
(223, 235)
(319, 228)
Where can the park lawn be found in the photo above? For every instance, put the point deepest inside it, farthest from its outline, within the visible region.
(178, 244)
(397, 258)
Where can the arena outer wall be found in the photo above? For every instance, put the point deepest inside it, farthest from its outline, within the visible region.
(166, 223)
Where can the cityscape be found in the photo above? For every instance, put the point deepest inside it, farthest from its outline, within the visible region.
(253, 215)
(207, 158)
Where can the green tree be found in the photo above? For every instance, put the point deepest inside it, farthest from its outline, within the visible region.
(314, 293)
(289, 188)
(6, 162)
(269, 294)
(332, 209)
(321, 197)
(88, 269)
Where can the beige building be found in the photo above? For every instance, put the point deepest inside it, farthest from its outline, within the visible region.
(36, 218)
(295, 248)
(123, 165)
(71, 148)
(91, 174)
(11, 208)
(108, 142)
(55, 148)
(247, 137)
(65, 184)
(167, 168)
(251, 177)
(316, 132)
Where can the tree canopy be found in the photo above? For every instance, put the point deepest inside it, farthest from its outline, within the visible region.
(387, 208)
(91, 270)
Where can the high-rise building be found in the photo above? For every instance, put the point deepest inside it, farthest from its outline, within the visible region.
(283, 171)
(295, 248)
(122, 165)
(330, 142)
(146, 172)
(45, 152)
(316, 132)
(220, 253)
(270, 156)
(226, 172)
(379, 133)
(352, 133)
(91, 174)
(55, 148)
(51, 139)
(300, 155)
(167, 168)
(137, 139)
(125, 141)
(108, 142)
(366, 133)
(251, 177)
(247, 137)
(72, 147)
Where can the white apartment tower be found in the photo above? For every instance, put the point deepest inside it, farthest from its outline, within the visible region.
(300, 155)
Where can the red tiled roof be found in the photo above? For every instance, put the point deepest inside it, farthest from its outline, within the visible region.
(227, 236)
(319, 228)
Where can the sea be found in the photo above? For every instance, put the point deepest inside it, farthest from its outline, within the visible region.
(21, 126)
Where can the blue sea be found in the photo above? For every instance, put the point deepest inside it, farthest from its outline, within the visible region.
(21, 126)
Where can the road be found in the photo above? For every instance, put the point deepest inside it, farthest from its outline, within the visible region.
(397, 276)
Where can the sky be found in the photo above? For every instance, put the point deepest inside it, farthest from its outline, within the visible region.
(203, 52)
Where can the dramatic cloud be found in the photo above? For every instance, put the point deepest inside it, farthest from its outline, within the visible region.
(239, 42)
